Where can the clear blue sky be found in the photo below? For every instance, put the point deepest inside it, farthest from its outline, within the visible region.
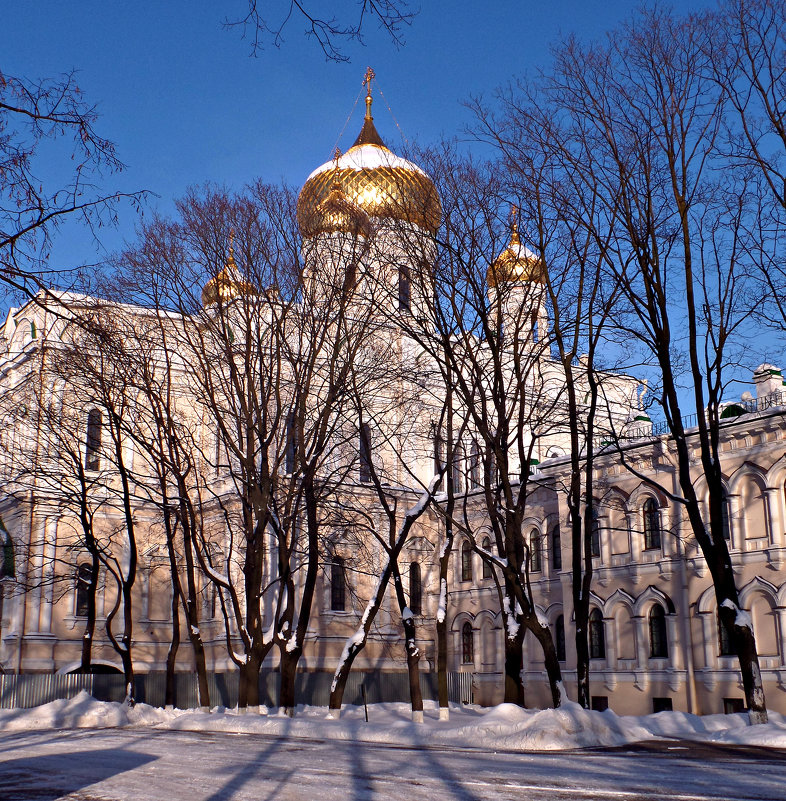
(185, 104)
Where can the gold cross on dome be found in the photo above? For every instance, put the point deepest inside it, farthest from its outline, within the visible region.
(368, 78)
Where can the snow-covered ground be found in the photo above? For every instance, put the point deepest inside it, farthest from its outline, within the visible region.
(505, 727)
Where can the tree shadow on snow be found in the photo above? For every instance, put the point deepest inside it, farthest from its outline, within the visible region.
(49, 776)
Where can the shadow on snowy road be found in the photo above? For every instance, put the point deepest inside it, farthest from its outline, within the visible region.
(51, 776)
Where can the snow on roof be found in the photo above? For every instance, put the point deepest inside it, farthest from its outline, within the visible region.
(367, 157)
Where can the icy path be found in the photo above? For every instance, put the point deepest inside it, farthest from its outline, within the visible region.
(154, 765)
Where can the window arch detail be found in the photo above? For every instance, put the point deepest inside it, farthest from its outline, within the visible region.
(659, 646)
(467, 644)
(597, 635)
(651, 512)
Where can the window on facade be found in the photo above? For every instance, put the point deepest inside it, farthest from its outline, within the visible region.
(439, 452)
(725, 527)
(83, 575)
(466, 561)
(724, 639)
(415, 589)
(535, 549)
(559, 638)
(662, 705)
(338, 585)
(291, 443)
(600, 703)
(467, 644)
(365, 454)
(458, 467)
(659, 646)
(7, 563)
(595, 534)
(651, 524)
(350, 278)
(732, 706)
(486, 545)
(597, 635)
(556, 548)
(492, 475)
(474, 465)
(93, 444)
(404, 288)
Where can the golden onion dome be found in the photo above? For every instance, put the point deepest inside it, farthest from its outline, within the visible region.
(228, 284)
(374, 180)
(516, 263)
(337, 213)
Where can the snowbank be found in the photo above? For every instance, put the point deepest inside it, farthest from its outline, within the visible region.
(504, 727)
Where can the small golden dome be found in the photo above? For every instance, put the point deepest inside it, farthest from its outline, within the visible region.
(516, 263)
(228, 284)
(375, 181)
(337, 213)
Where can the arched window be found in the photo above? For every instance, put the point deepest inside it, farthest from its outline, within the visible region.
(404, 288)
(725, 517)
(597, 635)
(559, 638)
(556, 548)
(659, 646)
(338, 585)
(535, 550)
(93, 444)
(291, 443)
(467, 644)
(466, 561)
(458, 468)
(365, 454)
(595, 534)
(474, 465)
(651, 524)
(84, 573)
(439, 452)
(415, 589)
(492, 473)
(724, 639)
(487, 570)
(7, 562)
(350, 278)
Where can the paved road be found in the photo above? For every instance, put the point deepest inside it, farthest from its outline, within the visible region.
(149, 765)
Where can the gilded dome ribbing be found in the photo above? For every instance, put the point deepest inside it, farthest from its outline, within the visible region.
(516, 263)
(227, 285)
(375, 181)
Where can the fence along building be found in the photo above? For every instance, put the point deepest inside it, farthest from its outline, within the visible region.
(654, 637)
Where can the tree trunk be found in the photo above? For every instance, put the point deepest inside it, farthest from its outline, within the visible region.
(355, 644)
(412, 650)
(514, 667)
(85, 665)
(553, 670)
(248, 684)
(288, 669)
(170, 698)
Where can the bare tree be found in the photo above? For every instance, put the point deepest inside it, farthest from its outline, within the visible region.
(644, 116)
(265, 21)
(486, 338)
(33, 115)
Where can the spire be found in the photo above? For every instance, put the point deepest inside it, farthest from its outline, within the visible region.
(369, 99)
(230, 263)
(513, 217)
(368, 133)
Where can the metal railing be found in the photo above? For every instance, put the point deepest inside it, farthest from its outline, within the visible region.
(311, 687)
(729, 412)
